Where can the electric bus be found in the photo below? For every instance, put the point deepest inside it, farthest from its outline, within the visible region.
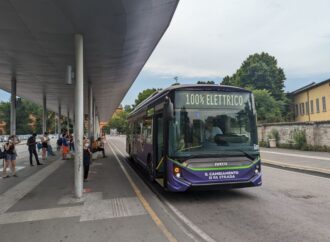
(197, 137)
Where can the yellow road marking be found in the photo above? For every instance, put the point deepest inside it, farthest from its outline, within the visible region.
(144, 202)
(302, 167)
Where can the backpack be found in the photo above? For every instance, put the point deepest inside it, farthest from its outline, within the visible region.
(59, 142)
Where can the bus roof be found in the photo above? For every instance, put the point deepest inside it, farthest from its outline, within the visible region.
(211, 87)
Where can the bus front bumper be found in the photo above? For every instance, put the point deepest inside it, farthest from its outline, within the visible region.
(210, 180)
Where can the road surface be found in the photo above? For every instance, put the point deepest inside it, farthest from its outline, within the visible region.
(290, 206)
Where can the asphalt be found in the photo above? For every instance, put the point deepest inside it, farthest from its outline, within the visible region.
(120, 204)
(315, 163)
(289, 206)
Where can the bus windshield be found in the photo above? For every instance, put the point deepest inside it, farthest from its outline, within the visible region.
(207, 124)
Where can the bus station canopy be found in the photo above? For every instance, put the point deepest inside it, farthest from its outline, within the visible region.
(37, 45)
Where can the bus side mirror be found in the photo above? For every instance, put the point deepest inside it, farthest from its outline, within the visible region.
(168, 109)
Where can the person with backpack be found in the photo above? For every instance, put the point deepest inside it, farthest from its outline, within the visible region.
(31, 143)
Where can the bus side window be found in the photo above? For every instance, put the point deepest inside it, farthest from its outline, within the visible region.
(147, 130)
(137, 129)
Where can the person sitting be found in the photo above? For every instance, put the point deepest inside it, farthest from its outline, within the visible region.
(210, 130)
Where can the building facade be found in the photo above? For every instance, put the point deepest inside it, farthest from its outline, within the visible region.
(312, 102)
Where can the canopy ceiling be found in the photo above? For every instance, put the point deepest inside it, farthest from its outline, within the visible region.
(37, 44)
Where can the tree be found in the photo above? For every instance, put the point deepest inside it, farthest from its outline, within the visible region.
(5, 115)
(119, 122)
(128, 108)
(144, 95)
(268, 109)
(205, 82)
(28, 117)
(259, 71)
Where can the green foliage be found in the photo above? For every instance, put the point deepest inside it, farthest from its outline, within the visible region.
(119, 122)
(299, 137)
(144, 95)
(268, 109)
(274, 134)
(259, 71)
(263, 143)
(24, 109)
(205, 82)
(5, 114)
(128, 108)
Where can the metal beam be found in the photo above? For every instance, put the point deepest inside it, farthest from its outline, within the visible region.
(13, 107)
(79, 115)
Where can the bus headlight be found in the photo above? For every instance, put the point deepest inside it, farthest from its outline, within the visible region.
(177, 171)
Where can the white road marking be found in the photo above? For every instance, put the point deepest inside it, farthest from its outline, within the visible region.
(296, 155)
(180, 215)
(14, 194)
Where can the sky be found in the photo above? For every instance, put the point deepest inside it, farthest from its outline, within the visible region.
(209, 39)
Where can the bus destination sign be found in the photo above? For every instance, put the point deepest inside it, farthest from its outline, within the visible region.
(203, 99)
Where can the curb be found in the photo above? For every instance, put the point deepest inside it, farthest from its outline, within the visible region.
(302, 169)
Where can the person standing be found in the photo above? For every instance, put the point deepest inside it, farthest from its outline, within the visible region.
(65, 146)
(71, 142)
(31, 143)
(86, 160)
(10, 159)
(44, 142)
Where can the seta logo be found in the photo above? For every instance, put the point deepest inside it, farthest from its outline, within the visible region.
(220, 164)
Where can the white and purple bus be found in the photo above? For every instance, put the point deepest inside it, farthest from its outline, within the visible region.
(197, 136)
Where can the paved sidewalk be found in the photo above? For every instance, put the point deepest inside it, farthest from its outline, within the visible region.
(116, 206)
(310, 162)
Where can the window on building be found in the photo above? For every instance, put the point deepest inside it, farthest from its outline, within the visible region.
(302, 109)
(317, 105)
(296, 111)
(312, 106)
(324, 104)
(307, 107)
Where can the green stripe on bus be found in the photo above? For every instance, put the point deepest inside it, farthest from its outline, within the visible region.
(217, 168)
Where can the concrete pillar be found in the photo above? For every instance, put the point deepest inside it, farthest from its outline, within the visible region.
(44, 114)
(59, 128)
(94, 120)
(13, 107)
(90, 112)
(79, 116)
